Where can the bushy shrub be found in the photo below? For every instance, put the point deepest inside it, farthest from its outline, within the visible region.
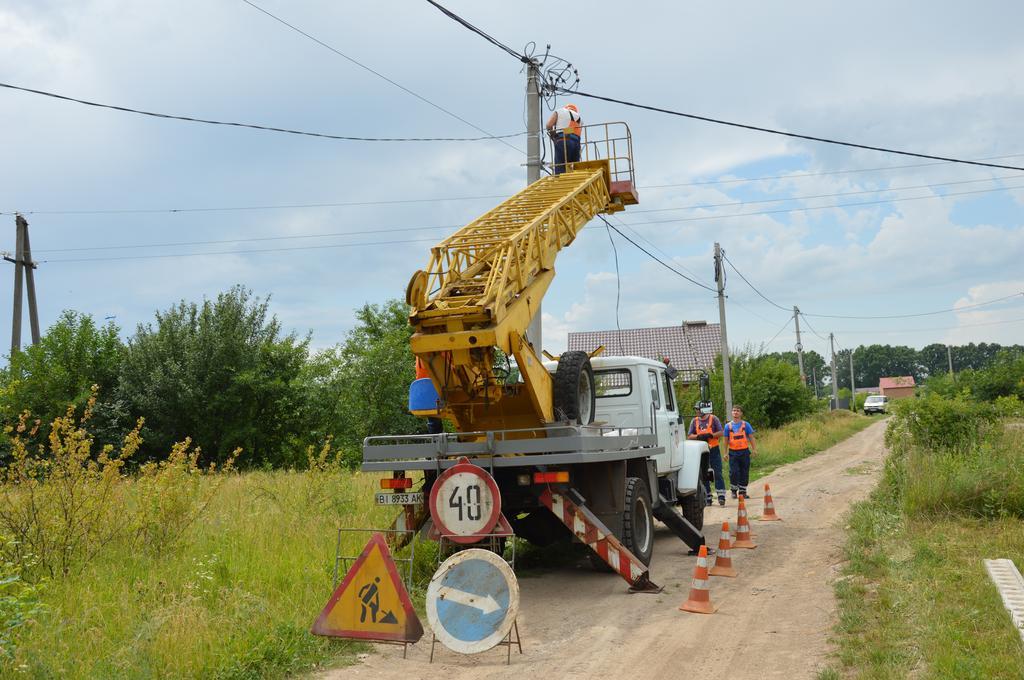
(220, 372)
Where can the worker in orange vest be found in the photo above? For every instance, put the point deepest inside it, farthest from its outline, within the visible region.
(707, 427)
(742, 446)
(565, 128)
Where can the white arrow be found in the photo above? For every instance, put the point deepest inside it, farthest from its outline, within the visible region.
(486, 604)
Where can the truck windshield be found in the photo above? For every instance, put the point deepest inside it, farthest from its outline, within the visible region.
(614, 382)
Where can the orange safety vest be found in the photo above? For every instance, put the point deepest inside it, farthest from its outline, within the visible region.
(738, 440)
(573, 127)
(708, 430)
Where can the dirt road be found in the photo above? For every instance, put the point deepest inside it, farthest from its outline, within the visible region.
(773, 621)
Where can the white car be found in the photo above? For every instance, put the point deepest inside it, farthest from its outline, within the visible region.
(875, 403)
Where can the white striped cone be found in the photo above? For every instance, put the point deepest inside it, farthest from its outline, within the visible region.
(743, 538)
(723, 558)
(699, 601)
(769, 507)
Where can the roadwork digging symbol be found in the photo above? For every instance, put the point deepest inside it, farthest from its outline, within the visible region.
(371, 603)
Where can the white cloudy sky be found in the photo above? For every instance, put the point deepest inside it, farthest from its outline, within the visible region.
(934, 77)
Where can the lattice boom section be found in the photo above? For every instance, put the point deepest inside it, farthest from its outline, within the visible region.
(488, 262)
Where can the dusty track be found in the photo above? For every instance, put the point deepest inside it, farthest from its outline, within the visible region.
(773, 621)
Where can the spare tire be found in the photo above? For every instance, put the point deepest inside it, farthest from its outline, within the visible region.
(573, 394)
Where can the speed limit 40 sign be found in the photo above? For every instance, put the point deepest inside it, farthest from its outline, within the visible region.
(465, 503)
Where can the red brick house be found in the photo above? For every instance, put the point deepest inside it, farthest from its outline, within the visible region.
(897, 388)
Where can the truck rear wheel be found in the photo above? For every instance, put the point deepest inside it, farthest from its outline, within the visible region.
(693, 507)
(637, 521)
(573, 389)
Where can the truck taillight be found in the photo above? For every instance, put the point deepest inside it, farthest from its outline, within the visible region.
(396, 483)
(550, 477)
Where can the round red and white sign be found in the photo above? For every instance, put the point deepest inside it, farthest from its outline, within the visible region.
(465, 503)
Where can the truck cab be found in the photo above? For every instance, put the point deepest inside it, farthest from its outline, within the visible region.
(635, 394)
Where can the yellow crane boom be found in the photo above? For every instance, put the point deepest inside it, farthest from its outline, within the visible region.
(484, 283)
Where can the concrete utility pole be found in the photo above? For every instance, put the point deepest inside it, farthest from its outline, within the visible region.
(835, 382)
(534, 332)
(949, 358)
(814, 377)
(23, 271)
(853, 386)
(799, 345)
(726, 371)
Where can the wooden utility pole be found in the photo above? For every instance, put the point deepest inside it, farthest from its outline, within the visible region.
(24, 271)
(726, 370)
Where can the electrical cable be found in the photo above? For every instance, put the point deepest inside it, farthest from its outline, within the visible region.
(784, 326)
(910, 316)
(752, 286)
(237, 252)
(654, 245)
(835, 195)
(135, 211)
(253, 126)
(291, 206)
(655, 257)
(618, 285)
(829, 207)
(801, 175)
(244, 239)
(812, 138)
(941, 328)
(494, 41)
(378, 74)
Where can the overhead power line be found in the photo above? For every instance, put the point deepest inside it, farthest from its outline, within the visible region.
(801, 175)
(754, 288)
(835, 195)
(940, 328)
(380, 75)
(911, 316)
(480, 32)
(239, 252)
(655, 257)
(777, 334)
(254, 126)
(129, 211)
(854, 204)
(812, 138)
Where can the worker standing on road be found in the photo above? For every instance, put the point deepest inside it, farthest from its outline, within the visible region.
(564, 127)
(707, 427)
(740, 436)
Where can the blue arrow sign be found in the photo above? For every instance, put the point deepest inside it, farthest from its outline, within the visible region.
(472, 601)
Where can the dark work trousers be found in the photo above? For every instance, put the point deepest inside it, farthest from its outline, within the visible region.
(567, 150)
(716, 464)
(739, 470)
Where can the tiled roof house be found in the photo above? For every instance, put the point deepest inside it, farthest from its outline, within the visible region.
(691, 347)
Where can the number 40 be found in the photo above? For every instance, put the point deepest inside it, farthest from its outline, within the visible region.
(471, 502)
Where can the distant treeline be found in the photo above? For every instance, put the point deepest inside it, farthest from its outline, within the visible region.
(871, 362)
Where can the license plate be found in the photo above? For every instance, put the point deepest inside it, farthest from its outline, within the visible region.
(400, 498)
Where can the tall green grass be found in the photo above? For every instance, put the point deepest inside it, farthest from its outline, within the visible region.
(234, 598)
(914, 598)
(798, 440)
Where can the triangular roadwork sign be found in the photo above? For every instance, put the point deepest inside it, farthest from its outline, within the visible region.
(371, 603)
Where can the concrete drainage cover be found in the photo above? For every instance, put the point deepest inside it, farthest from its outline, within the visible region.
(1010, 585)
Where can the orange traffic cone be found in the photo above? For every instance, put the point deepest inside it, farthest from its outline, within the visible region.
(723, 558)
(743, 529)
(769, 507)
(699, 600)
(733, 529)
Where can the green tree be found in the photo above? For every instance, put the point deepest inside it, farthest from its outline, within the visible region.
(221, 373)
(74, 354)
(361, 387)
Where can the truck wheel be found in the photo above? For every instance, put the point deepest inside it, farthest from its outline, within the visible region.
(693, 507)
(637, 521)
(573, 390)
